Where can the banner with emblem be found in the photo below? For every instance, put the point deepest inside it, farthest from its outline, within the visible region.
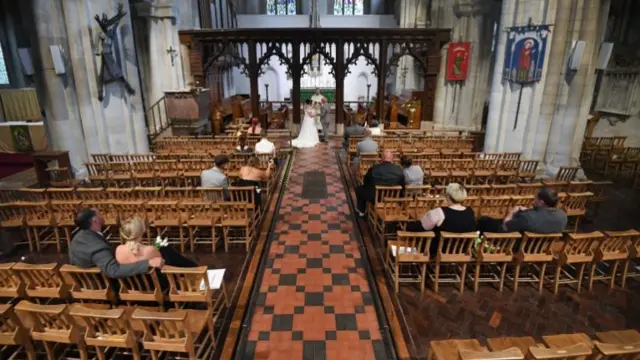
(458, 56)
(525, 51)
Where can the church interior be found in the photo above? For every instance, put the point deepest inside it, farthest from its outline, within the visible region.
(468, 185)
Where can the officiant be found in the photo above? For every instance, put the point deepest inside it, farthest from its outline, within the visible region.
(320, 106)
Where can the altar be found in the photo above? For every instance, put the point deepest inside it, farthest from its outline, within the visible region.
(307, 93)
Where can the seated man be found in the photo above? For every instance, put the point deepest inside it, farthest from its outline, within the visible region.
(264, 146)
(89, 248)
(543, 218)
(367, 145)
(215, 176)
(355, 129)
(385, 174)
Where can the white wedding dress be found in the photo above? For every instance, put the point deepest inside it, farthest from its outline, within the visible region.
(308, 136)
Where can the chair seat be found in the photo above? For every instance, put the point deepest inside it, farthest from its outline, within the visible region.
(171, 222)
(489, 258)
(39, 222)
(201, 222)
(196, 320)
(243, 222)
(454, 258)
(12, 223)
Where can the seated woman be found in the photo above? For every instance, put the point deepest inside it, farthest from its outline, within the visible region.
(454, 217)
(413, 174)
(132, 231)
(242, 145)
(255, 128)
(252, 175)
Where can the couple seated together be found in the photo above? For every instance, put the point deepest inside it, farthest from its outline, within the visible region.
(542, 217)
(90, 248)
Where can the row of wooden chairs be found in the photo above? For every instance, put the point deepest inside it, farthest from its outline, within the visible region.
(617, 344)
(107, 331)
(224, 144)
(51, 222)
(596, 150)
(494, 251)
(44, 283)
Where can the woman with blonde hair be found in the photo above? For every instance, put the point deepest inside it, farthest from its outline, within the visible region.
(132, 232)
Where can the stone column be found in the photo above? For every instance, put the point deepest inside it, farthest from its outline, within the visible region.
(57, 92)
(567, 109)
(501, 132)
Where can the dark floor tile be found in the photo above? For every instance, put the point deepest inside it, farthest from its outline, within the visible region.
(329, 309)
(268, 263)
(314, 237)
(352, 270)
(326, 256)
(379, 350)
(327, 288)
(288, 280)
(299, 288)
(339, 279)
(278, 256)
(364, 335)
(249, 352)
(331, 335)
(315, 217)
(263, 335)
(313, 263)
(326, 271)
(359, 309)
(314, 350)
(346, 322)
(355, 288)
(292, 249)
(302, 256)
(296, 336)
(367, 299)
(325, 242)
(302, 271)
(295, 226)
(336, 249)
(314, 299)
(261, 299)
(272, 289)
(282, 322)
(268, 310)
(333, 226)
(276, 271)
(298, 310)
(348, 255)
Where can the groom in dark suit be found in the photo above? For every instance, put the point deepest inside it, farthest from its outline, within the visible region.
(89, 248)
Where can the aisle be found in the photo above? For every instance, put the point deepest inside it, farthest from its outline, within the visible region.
(314, 300)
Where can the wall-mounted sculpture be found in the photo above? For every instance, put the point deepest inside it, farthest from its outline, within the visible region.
(110, 70)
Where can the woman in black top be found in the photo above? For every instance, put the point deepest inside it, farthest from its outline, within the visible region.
(454, 217)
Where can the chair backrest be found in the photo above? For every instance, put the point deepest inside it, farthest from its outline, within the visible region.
(120, 167)
(398, 208)
(387, 192)
(495, 206)
(528, 166)
(51, 322)
(188, 284)
(92, 194)
(573, 352)
(129, 209)
(234, 211)
(508, 165)
(123, 194)
(176, 193)
(35, 195)
(581, 247)
(65, 211)
(209, 193)
(529, 188)
(579, 186)
(497, 246)
(521, 200)
(618, 351)
(165, 330)
(456, 246)
(42, 280)
(576, 201)
(143, 167)
(104, 327)
(87, 283)
(142, 288)
(509, 354)
(618, 244)
(12, 331)
(504, 190)
(537, 247)
(61, 193)
(418, 243)
(425, 203)
(10, 284)
(200, 211)
(567, 173)
(478, 190)
(244, 194)
(37, 211)
(164, 211)
(484, 164)
(142, 193)
(417, 190)
(12, 214)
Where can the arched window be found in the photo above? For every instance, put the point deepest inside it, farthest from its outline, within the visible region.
(348, 7)
(4, 76)
(281, 7)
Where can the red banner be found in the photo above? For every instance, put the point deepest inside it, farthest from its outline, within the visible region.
(458, 61)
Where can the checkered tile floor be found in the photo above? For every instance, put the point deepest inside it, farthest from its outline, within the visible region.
(314, 301)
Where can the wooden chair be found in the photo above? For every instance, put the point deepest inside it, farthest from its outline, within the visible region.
(618, 351)
(237, 225)
(529, 188)
(579, 186)
(188, 286)
(10, 285)
(146, 193)
(439, 171)
(52, 324)
(478, 190)
(64, 216)
(560, 186)
(165, 216)
(209, 193)
(614, 249)
(534, 249)
(567, 173)
(12, 217)
(409, 249)
(495, 207)
(120, 174)
(168, 172)
(99, 173)
(523, 201)
(634, 254)
(92, 194)
(381, 193)
(144, 173)
(39, 218)
(390, 212)
(42, 281)
(509, 354)
(142, 288)
(453, 249)
(504, 190)
(507, 170)
(33, 195)
(422, 204)
(176, 193)
(106, 329)
(495, 248)
(577, 249)
(572, 352)
(120, 193)
(417, 190)
(528, 170)
(460, 171)
(246, 194)
(182, 331)
(88, 284)
(59, 193)
(201, 217)
(450, 349)
(503, 343)
(14, 337)
(620, 337)
(575, 205)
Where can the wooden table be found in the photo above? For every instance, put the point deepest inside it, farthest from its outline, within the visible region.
(619, 337)
(41, 161)
(504, 343)
(448, 349)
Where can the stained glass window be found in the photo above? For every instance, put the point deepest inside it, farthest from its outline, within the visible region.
(348, 7)
(4, 77)
(281, 7)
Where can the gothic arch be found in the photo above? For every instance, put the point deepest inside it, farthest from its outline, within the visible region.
(317, 48)
(406, 49)
(274, 49)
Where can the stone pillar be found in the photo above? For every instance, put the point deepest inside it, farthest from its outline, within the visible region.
(57, 92)
(188, 15)
(412, 14)
(567, 109)
(501, 134)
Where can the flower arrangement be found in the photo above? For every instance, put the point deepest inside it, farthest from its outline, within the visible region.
(160, 242)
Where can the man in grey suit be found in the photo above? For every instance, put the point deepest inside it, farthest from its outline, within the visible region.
(367, 145)
(325, 122)
(215, 176)
(355, 129)
(89, 248)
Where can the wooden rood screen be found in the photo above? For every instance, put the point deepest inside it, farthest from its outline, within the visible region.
(251, 49)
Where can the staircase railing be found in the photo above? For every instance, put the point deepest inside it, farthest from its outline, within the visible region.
(157, 119)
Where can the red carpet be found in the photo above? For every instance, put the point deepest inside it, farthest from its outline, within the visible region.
(14, 163)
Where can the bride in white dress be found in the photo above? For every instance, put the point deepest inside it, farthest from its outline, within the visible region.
(308, 136)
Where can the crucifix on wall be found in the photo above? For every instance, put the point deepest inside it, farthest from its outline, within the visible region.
(172, 53)
(403, 74)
